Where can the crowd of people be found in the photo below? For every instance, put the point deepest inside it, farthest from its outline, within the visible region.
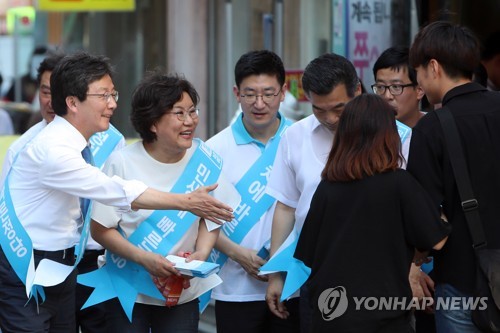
(360, 193)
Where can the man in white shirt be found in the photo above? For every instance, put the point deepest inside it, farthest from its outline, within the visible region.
(329, 82)
(248, 148)
(45, 184)
(92, 318)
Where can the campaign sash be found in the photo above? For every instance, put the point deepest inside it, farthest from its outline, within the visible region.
(51, 273)
(102, 144)
(254, 201)
(158, 233)
(18, 249)
(403, 131)
(17, 244)
(283, 260)
(15, 241)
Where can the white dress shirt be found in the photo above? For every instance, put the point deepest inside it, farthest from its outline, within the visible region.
(301, 158)
(19, 144)
(47, 180)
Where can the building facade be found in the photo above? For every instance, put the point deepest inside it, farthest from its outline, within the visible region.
(203, 39)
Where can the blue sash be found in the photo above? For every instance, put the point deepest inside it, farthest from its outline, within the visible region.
(403, 130)
(15, 241)
(254, 201)
(158, 233)
(102, 144)
(18, 249)
(283, 260)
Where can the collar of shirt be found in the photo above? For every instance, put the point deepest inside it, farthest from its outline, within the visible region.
(462, 89)
(315, 124)
(242, 137)
(69, 132)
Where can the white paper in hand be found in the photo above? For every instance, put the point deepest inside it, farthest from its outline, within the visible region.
(196, 268)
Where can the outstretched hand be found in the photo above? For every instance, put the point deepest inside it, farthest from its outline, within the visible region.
(202, 204)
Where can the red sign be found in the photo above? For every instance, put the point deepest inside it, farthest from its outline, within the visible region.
(293, 80)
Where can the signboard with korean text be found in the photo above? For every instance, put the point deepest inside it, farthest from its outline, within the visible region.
(368, 34)
(339, 27)
(86, 5)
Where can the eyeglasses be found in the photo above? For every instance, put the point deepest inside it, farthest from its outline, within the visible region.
(107, 96)
(182, 115)
(266, 98)
(394, 89)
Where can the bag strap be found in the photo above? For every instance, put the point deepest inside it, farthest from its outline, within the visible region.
(457, 159)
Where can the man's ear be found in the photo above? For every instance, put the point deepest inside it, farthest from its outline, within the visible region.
(153, 128)
(71, 103)
(236, 93)
(358, 90)
(420, 93)
(283, 92)
(435, 68)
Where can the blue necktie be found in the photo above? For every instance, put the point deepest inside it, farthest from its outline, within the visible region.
(84, 203)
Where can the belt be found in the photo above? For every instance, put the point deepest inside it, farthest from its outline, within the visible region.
(60, 254)
(93, 252)
(89, 260)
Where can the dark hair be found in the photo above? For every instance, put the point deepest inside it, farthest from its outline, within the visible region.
(395, 58)
(491, 46)
(480, 75)
(455, 48)
(154, 96)
(366, 141)
(49, 64)
(259, 62)
(73, 75)
(326, 72)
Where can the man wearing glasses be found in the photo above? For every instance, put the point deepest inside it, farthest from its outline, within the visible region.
(45, 183)
(248, 148)
(396, 82)
(92, 319)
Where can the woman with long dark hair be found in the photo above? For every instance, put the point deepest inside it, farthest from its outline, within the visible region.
(366, 219)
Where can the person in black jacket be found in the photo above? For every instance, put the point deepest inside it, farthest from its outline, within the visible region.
(445, 57)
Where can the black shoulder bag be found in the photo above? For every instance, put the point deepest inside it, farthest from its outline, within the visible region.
(487, 260)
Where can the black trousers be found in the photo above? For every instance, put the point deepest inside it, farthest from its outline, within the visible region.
(91, 319)
(55, 315)
(255, 317)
